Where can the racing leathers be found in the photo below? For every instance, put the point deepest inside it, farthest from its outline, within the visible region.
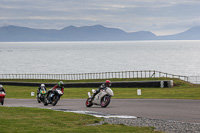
(58, 87)
(38, 91)
(102, 87)
(2, 90)
(53, 89)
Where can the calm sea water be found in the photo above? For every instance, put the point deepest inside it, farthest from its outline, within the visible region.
(175, 57)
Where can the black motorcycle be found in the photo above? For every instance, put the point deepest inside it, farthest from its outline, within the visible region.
(41, 96)
(54, 96)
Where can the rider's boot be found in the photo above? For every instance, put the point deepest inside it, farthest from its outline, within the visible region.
(92, 98)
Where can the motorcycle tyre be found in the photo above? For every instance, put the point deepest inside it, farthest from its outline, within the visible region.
(107, 103)
(38, 100)
(45, 102)
(2, 101)
(54, 102)
(88, 104)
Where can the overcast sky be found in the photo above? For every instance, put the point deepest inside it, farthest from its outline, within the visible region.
(158, 16)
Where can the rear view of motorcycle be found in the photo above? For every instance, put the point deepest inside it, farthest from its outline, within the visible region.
(2, 96)
(102, 98)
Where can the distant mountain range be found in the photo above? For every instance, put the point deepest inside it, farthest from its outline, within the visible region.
(87, 33)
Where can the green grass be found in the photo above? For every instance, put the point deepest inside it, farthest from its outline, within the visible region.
(181, 90)
(22, 119)
(153, 93)
(177, 82)
(158, 93)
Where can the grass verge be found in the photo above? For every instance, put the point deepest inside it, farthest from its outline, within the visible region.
(177, 81)
(181, 90)
(22, 119)
(79, 93)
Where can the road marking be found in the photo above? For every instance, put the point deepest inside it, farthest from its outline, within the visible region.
(96, 114)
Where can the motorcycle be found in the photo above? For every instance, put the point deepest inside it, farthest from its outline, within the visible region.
(103, 98)
(54, 96)
(41, 96)
(2, 96)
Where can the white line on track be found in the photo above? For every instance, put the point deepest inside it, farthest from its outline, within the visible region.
(96, 114)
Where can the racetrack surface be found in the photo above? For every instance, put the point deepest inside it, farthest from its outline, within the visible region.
(166, 109)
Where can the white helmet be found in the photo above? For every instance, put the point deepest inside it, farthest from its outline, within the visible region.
(42, 85)
(1, 86)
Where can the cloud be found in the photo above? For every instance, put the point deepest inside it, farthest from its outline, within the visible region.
(129, 15)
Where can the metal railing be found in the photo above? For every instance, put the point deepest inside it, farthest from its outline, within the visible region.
(194, 79)
(102, 75)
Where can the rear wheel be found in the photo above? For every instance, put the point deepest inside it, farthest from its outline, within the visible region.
(105, 101)
(88, 103)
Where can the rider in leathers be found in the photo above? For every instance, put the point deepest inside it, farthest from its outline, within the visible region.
(59, 85)
(2, 89)
(102, 87)
(42, 86)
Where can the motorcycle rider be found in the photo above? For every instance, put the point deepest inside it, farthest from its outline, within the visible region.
(2, 89)
(102, 87)
(42, 86)
(60, 86)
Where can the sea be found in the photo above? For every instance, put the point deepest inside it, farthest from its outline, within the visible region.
(169, 56)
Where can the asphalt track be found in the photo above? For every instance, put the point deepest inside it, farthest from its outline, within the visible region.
(166, 109)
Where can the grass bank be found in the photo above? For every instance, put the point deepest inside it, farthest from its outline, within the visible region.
(181, 90)
(22, 119)
(176, 81)
(152, 93)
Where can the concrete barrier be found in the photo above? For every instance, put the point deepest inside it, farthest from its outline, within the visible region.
(123, 84)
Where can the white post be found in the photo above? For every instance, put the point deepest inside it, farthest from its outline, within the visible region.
(139, 92)
(161, 84)
(32, 93)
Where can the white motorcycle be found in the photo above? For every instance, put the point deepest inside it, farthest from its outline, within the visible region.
(102, 98)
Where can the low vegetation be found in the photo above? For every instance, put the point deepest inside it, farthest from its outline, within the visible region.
(181, 90)
(22, 119)
(177, 82)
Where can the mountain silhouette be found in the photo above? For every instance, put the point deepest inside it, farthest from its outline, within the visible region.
(191, 34)
(87, 33)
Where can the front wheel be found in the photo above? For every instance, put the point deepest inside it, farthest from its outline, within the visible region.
(88, 103)
(38, 99)
(2, 101)
(105, 101)
(45, 102)
(55, 100)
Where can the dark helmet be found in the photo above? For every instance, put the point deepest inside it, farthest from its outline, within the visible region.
(108, 83)
(60, 84)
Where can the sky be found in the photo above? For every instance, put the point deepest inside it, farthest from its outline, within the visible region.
(162, 17)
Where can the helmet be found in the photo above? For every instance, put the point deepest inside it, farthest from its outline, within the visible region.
(60, 84)
(108, 83)
(1, 86)
(42, 85)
